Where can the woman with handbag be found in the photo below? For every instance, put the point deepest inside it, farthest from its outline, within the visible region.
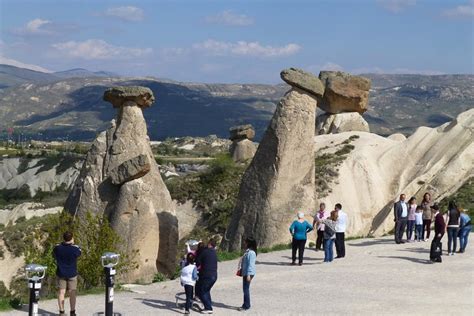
(247, 270)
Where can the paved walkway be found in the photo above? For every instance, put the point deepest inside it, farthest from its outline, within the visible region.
(377, 277)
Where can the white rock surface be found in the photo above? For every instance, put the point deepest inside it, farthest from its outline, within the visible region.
(399, 137)
(437, 160)
(327, 123)
(27, 210)
(47, 180)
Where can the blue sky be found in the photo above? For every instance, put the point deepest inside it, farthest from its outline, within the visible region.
(239, 41)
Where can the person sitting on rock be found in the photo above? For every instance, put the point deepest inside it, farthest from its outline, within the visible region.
(299, 230)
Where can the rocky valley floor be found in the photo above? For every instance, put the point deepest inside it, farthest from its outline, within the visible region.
(377, 277)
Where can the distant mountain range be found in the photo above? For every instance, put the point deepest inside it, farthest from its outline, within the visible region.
(69, 104)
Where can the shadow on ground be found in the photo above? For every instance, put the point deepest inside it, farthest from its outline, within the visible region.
(172, 306)
(415, 260)
(373, 243)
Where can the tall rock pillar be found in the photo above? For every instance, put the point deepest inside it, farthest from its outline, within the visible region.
(121, 180)
(280, 179)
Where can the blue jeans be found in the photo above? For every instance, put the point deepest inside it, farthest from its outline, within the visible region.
(188, 289)
(463, 236)
(328, 250)
(411, 225)
(246, 287)
(419, 232)
(206, 285)
(452, 238)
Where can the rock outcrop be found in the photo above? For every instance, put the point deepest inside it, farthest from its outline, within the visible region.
(344, 92)
(437, 160)
(16, 173)
(280, 179)
(327, 123)
(345, 98)
(120, 179)
(26, 210)
(242, 148)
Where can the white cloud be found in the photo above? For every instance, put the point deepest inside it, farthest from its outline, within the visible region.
(396, 6)
(98, 49)
(12, 62)
(461, 11)
(243, 48)
(127, 13)
(230, 18)
(35, 27)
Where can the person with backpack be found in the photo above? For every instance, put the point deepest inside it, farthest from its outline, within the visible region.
(464, 230)
(248, 270)
(66, 255)
(188, 279)
(299, 230)
(329, 235)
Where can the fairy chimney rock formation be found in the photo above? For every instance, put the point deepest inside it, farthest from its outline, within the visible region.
(242, 148)
(280, 180)
(120, 179)
(345, 99)
(344, 92)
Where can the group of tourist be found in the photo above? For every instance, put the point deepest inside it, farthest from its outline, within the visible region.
(199, 267)
(330, 230)
(199, 274)
(409, 217)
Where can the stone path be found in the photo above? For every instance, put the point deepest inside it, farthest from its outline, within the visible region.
(377, 277)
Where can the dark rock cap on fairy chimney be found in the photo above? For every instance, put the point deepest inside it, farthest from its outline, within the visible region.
(141, 96)
(303, 80)
(242, 132)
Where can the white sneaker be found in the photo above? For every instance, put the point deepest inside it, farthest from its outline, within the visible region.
(206, 311)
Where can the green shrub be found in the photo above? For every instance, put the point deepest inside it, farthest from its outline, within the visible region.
(326, 166)
(213, 191)
(159, 277)
(228, 255)
(92, 233)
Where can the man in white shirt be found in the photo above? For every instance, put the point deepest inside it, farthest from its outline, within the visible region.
(340, 231)
(400, 210)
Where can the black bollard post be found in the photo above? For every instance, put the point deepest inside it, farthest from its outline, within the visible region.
(109, 261)
(35, 287)
(109, 292)
(34, 273)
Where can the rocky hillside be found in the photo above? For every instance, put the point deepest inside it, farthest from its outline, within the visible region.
(22, 178)
(366, 172)
(48, 106)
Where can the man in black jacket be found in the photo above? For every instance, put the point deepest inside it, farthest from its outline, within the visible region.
(400, 210)
(207, 261)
